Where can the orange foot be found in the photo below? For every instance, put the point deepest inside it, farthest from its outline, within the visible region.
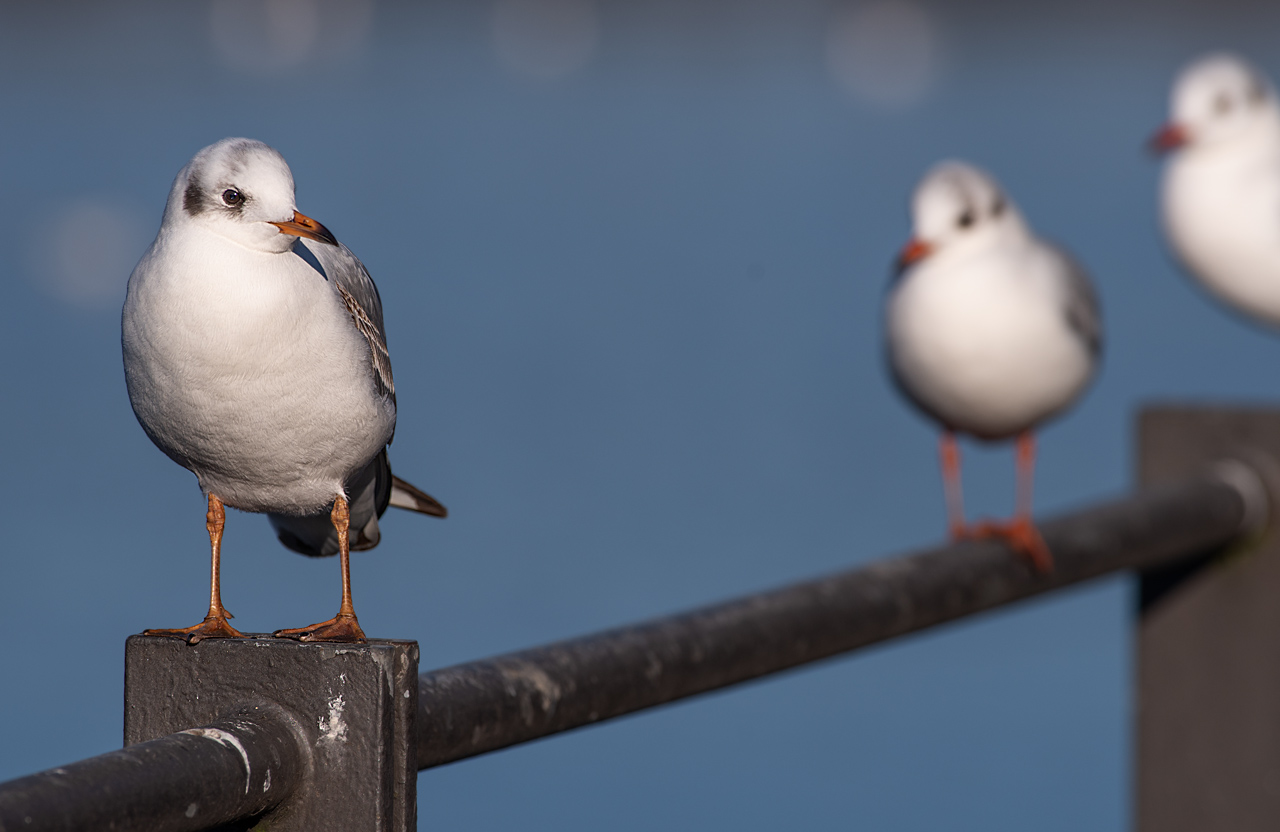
(1022, 535)
(213, 626)
(343, 627)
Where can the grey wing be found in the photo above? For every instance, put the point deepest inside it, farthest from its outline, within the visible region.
(369, 491)
(360, 295)
(1082, 311)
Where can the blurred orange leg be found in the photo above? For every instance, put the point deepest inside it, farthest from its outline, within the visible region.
(949, 452)
(1020, 532)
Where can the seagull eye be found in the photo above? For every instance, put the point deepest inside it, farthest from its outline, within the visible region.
(232, 197)
(966, 219)
(1222, 104)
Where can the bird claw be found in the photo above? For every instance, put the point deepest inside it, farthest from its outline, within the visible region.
(213, 626)
(1020, 534)
(343, 628)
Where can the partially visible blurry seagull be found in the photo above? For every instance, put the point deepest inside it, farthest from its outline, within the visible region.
(255, 356)
(1221, 199)
(990, 331)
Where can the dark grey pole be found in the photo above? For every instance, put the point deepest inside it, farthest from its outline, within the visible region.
(1208, 652)
(234, 769)
(482, 706)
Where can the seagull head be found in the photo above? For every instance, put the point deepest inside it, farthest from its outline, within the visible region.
(1215, 100)
(958, 208)
(242, 189)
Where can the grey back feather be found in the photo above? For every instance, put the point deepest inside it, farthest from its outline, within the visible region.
(1082, 310)
(360, 295)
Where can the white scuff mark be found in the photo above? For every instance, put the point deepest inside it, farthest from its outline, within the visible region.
(192, 809)
(536, 676)
(332, 727)
(518, 673)
(266, 783)
(406, 694)
(224, 738)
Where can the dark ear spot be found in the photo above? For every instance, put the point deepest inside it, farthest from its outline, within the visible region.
(193, 200)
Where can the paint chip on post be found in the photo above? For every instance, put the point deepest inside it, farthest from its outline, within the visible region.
(332, 727)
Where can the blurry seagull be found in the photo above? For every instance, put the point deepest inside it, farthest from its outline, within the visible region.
(255, 356)
(1221, 199)
(990, 331)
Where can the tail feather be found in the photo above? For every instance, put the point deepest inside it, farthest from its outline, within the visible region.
(410, 497)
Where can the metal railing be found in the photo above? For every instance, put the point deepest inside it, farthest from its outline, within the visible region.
(260, 760)
(482, 706)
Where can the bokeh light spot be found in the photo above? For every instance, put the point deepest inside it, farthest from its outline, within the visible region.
(84, 252)
(545, 39)
(260, 36)
(885, 53)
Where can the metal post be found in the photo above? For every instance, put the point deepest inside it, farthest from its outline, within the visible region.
(1208, 680)
(354, 705)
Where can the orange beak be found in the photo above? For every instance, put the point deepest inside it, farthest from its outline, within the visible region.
(1170, 137)
(913, 251)
(303, 226)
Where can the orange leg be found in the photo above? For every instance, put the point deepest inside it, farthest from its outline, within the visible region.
(949, 452)
(215, 623)
(343, 626)
(1020, 532)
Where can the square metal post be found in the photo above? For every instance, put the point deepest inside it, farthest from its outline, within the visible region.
(355, 707)
(1208, 644)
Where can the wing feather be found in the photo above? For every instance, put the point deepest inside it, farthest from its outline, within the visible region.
(1082, 310)
(360, 296)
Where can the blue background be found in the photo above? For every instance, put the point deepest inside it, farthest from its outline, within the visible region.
(633, 310)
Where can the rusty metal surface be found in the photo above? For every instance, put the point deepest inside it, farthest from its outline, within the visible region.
(234, 769)
(482, 706)
(1208, 675)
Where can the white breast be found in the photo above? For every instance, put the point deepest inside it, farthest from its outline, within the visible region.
(245, 367)
(985, 345)
(1221, 209)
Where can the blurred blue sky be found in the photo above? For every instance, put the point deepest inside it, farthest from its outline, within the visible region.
(632, 257)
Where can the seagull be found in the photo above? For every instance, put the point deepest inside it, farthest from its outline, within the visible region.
(1221, 189)
(255, 356)
(990, 331)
